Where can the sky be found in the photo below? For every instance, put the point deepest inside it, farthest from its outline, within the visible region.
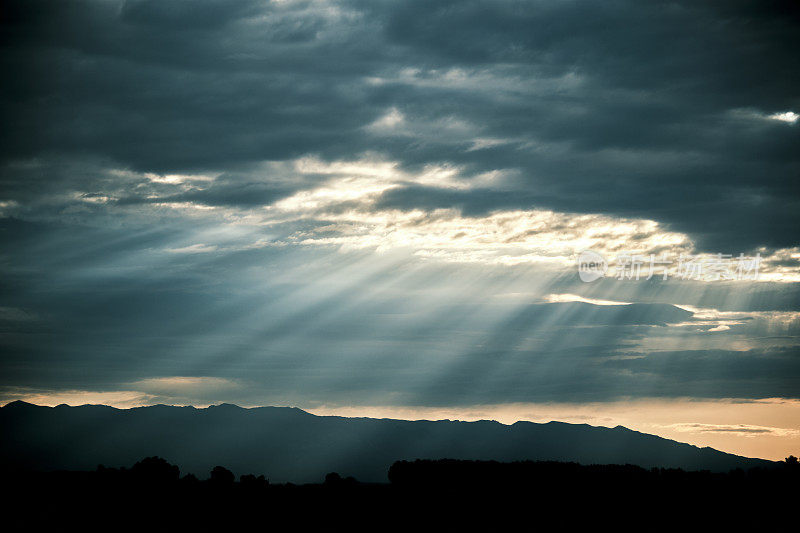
(380, 208)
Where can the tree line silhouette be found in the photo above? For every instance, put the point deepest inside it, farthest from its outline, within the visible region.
(421, 494)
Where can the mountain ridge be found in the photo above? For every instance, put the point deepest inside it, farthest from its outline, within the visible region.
(290, 444)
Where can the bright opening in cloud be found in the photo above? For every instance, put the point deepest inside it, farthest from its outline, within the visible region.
(787, 116)
(560, 298)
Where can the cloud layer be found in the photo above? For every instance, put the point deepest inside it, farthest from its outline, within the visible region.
(372, 201)
(675, 111)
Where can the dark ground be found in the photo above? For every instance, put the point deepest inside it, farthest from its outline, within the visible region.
(441, 495)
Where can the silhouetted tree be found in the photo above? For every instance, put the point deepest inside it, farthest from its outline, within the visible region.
(251, 481)
(792, 461)
(222, 476)
(155, 469)
(333, 478)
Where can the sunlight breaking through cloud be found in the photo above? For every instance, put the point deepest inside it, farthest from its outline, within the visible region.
(787, 116)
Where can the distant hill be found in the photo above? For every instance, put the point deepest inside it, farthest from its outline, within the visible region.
(289, 444)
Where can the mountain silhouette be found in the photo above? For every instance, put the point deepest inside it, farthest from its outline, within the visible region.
(289, 444)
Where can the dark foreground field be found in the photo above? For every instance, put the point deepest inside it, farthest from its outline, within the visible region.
(423, 495)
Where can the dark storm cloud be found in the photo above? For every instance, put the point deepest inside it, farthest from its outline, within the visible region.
(577, 376)
(717, 373)
(120, 81)
(646, 109)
